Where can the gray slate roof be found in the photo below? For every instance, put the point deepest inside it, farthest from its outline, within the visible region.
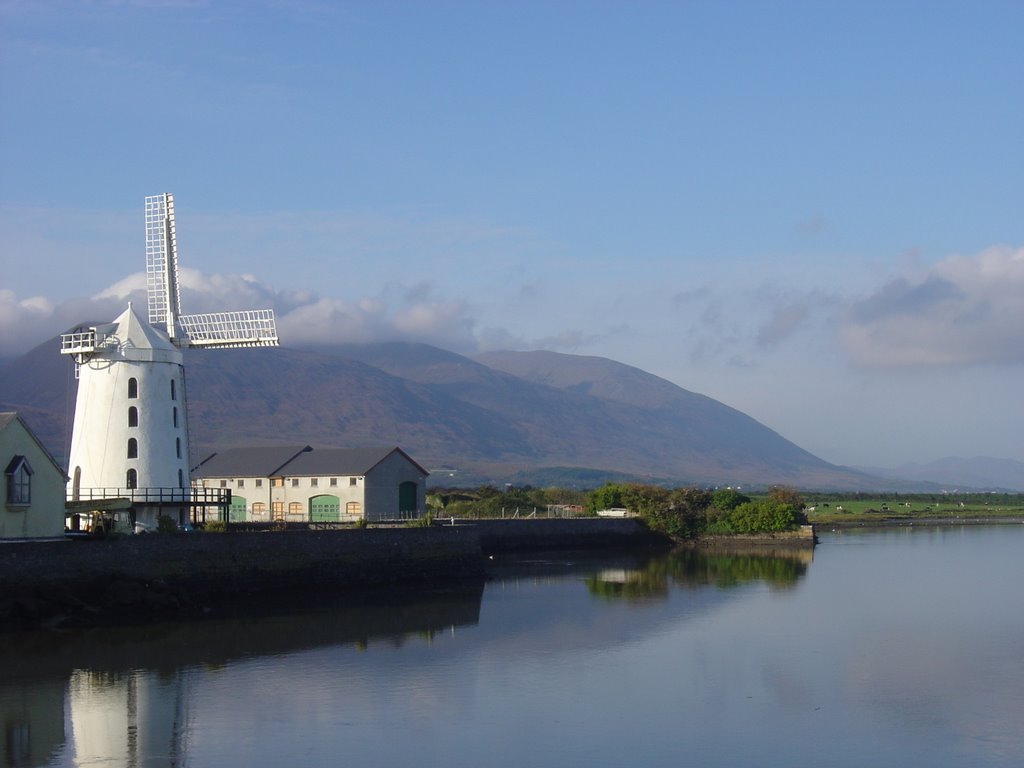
(295, 461)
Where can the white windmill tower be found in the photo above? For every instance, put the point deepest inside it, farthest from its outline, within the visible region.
(130, 434)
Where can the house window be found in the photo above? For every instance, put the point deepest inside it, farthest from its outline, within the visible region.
(133, 448)
(173, 393)
(334, 482)
(353, 508)
(259, 483)
(223, 483)
(351, 481)
(177, 446)
(277, 510)
(258, 508)
(241, 483)
(295, 482)
(314, 482)
(295, 508)
(132, 480)
(175, 416)
(133, 388)
(133, 417)
(277, 482)
(19, 481)
(181, 478)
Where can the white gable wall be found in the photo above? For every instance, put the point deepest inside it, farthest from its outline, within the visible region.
(382, 487)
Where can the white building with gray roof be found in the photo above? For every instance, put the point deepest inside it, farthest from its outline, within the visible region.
(305, 484)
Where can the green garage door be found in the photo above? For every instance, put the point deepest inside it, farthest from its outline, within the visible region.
(236, 514)
(324, 509)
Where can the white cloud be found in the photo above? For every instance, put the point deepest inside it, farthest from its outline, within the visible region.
(415, 314)
(964, 310)
(19, 318)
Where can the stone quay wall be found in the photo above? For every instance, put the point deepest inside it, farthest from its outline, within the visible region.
(520, 535)
(183, 575)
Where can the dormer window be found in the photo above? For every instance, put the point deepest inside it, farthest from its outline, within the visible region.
(19, 481)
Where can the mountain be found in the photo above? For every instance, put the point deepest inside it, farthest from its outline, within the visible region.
(981, 473)
(500, 417)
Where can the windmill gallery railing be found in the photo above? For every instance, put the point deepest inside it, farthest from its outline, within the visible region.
(194, 497)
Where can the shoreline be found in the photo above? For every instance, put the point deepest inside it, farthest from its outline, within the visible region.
(194, 576)
(908, 522)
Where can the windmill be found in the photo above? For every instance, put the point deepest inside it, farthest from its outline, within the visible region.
(130, 434)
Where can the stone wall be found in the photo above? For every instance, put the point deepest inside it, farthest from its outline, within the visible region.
(183, 575)
(186, 574)
(555, 533)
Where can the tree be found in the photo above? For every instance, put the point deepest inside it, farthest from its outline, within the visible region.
(783, 494)
(727, 499)
(786, 495)
(644, 500)
(608, 496)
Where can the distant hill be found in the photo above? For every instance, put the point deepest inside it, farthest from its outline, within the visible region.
(503, 417)
(983, 473)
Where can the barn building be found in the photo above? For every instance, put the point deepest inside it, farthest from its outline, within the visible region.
(33, 484)
(305, 484)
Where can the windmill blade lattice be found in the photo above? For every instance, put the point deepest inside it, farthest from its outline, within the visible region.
(247, 328)
(162, 262)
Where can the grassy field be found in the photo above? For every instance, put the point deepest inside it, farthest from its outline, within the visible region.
(909, 507)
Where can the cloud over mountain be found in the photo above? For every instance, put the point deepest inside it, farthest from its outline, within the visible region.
(965, 310)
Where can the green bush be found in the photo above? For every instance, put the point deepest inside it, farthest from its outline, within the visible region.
(421, 522)
(216, 526)
(763, 516)
(165, 524)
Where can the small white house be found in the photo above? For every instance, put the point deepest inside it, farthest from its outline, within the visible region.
(33, 484)
(303, 484)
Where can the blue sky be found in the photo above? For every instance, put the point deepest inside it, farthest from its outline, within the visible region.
(810, 211)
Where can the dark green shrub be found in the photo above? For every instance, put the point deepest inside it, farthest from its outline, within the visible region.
(165, 524)
(763, 516)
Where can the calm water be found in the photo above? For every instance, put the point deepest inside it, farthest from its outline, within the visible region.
(889, 649)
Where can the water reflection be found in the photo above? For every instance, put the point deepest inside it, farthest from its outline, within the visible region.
(32, 714)
(894, 649)
(139, 718)
(122, 696)
(692, 568)
(126, 695)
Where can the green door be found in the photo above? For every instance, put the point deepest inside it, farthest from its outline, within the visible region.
(236, 514)
(324, 509)
(407, 497)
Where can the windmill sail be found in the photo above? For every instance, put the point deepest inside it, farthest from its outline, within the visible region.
(247, 328)
(162, 263)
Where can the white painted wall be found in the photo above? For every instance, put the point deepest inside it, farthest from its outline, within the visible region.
(377, 493)
(99, 443)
